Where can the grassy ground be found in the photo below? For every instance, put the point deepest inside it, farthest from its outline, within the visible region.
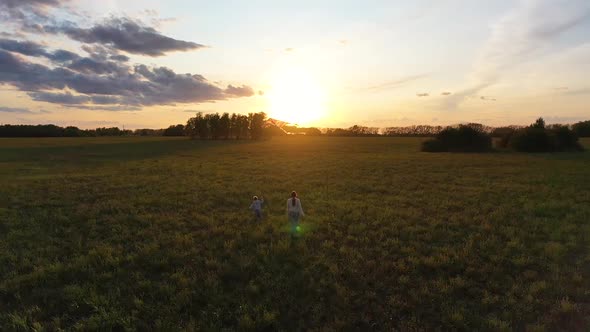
(155, 233)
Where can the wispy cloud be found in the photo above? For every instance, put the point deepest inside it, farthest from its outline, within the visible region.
(518, 36)
(15, 110)
(397, 82)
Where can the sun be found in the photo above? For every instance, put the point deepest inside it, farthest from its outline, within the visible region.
(295, 97)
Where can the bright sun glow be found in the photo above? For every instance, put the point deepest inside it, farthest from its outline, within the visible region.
(296, 97)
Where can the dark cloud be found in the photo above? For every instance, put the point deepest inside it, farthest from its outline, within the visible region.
(14, 110)
(119, 57)
(34, 3)
(27, 13)
(68, 98)
(127, 35)
(62, 56)
(101, 79)
(107, 83)
(113, 108)
(239, 91)
(22, 47)
(88, 65)
(36, 50)
(423, 94)
(59, 98)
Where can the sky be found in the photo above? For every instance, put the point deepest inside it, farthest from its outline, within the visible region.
(151, 64)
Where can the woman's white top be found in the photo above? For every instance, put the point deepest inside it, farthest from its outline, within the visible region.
(297, 208)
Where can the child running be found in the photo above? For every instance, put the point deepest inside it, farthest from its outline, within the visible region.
(256, 206)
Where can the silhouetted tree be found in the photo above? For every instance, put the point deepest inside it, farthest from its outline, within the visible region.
(177, 130)
(202, 127)
(462, 138)
(234, 128)
(539, 138)
(539, 124)
(224, 126)
(214, 125)
(582, 129)
(243, 127)
(256, 124)
(150, 132)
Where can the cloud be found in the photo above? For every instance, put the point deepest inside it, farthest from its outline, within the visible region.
(25, 48)
(576, 92)
(289, 49)
(26, 14)
(88, 65)
(127, 35)
(113, 108)
(15, 110)
(423, 94)
(520, 36)
(103, 78)
(119, 57)
(59, 98)
(242, 91)
(24, 3)
(487, 98)
(109, 82)
(446, 93)
(398, 82)
(33, 49)
(62, 56)
(564, 119)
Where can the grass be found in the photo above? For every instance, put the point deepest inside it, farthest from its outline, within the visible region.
(155, 234)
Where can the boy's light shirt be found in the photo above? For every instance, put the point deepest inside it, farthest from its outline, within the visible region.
(257, 205)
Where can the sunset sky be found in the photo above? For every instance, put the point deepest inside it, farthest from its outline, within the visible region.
(150, 64)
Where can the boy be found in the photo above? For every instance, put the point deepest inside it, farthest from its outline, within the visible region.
(257, 206)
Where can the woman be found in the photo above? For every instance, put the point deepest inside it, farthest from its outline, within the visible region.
(294, 211)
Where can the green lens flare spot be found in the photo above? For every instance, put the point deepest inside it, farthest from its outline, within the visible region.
(298, 228)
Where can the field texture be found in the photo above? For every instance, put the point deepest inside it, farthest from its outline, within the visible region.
(155, 234)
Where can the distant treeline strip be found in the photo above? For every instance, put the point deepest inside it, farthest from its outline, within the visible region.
(225, 126)
(255, 126)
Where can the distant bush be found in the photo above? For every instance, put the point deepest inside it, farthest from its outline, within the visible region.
(463, 138)
(538, 138)
(582, 129)
(177, 130)
(530, 140)
(505, 134)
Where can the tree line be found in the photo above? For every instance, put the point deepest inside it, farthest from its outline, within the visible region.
(56, 131)
(256, 126)
(537, 137)
(226, 126)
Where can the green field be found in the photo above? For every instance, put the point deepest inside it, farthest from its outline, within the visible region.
(155, 234)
